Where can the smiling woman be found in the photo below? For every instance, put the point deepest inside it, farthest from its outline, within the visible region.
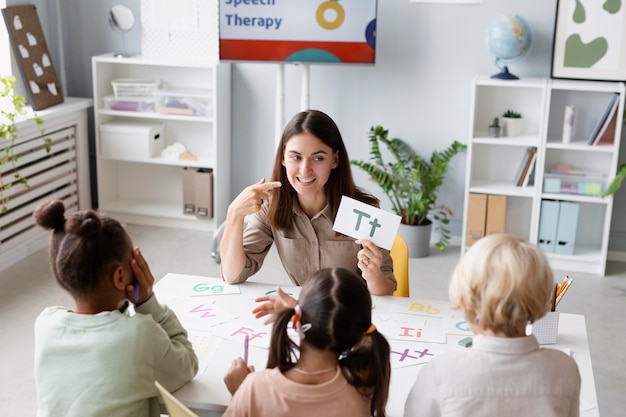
(297, 209)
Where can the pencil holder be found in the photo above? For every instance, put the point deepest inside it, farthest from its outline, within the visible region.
(546, 328)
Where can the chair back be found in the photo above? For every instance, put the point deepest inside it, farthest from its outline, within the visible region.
(400, 256)
(174, 407)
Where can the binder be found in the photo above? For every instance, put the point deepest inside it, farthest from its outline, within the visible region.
(566, 230)
(189, 191)
(548, 223)
(204, 193)
(476, 217)
(496, 214)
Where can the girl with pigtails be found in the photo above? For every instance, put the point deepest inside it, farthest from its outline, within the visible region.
(340, 367)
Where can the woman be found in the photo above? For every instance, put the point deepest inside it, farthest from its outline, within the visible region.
(297, 209)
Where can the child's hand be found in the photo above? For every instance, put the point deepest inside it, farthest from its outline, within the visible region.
(273, 303)
(143, 276)
(236, 374)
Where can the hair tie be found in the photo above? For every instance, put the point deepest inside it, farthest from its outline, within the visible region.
(296, 323)
(370, 329)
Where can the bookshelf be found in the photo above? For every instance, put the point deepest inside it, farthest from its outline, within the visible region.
(148, 189)
(494, 163)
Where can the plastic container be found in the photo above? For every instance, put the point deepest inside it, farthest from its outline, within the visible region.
(185, 102)
(583, 183)
(132, 87)
(136, 104)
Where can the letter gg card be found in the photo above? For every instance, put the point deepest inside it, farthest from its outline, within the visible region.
(362, 221)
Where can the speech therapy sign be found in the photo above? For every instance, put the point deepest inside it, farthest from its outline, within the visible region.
(333, 31)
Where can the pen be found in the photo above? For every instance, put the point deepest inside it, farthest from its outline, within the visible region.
(246, 341)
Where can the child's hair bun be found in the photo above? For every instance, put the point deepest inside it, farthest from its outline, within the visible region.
(84, 224)
(50, 215)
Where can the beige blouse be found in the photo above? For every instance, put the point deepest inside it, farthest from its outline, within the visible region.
(309, 246)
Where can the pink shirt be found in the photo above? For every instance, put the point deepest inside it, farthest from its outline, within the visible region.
(270, 393)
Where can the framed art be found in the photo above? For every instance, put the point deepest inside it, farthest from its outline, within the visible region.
(589, 40)
(32, 55)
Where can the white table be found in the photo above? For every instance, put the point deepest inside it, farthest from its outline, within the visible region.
(207, 395)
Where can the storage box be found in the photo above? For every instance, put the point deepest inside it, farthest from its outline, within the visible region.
(139, 104)
(185, 102)
(131, 87)
(128, 140)
(574, 183)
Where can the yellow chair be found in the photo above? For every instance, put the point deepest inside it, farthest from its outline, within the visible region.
(174, 407)
(400, 256)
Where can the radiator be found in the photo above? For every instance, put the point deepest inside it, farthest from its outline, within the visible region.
(50, 168)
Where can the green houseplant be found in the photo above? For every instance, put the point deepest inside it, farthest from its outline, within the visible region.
(12, 107)
(512, 123)
(411, 182)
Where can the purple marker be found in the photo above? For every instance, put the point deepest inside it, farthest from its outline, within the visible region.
(246, 341)
(136, 291)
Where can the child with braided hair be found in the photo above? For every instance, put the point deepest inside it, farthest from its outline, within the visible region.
(340, 367)
(96, 359)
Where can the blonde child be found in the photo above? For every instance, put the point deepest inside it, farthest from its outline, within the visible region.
(501, 284)
(340, 367)
(95, 359)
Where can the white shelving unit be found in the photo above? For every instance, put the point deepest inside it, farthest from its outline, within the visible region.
(493, 162)
(149, 190)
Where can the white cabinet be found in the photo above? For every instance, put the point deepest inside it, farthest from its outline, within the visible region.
(148, 189)
(493, 163)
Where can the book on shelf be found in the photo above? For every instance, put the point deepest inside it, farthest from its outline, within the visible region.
(524, 168)
(601, 127)
(529, 178)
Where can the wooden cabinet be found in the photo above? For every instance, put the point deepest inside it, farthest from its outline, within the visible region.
(148, 189)
(60, 172)
(493, 163)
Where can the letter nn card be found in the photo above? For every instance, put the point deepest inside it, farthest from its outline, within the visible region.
(362, 221)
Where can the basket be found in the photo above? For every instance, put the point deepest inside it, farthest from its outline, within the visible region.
(129, 87)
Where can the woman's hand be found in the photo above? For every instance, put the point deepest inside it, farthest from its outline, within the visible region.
(236, 374)
(273, 303)
(250, 200)
(369, 261)
(143, 277)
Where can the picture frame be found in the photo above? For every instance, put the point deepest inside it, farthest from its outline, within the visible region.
(588, 41)
(32, 55)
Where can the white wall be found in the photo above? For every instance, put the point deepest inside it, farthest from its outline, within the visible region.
(419, 89)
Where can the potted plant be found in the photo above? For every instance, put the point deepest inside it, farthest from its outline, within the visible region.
(411, 183)
(12, 107)
(494, 128)
(512, 122)
(616, 183)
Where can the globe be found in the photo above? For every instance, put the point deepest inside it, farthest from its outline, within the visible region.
(509, 39)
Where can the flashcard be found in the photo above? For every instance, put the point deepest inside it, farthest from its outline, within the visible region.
(422, 307)
(431, 331)
(259, 335)
(194, 285)
(204, 345)
(388, 324)
(457, 325)
(405, 353)
(362, 221)
(261, 290)
(200, 313)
